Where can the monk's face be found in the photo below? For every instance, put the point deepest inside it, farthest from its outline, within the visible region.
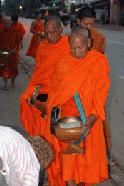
(78, 46)
(53, 32)
(87, 22)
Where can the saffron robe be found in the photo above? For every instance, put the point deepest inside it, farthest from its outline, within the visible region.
(46, 58)
(20, 30)
(35, 40)
(9, 41)
(98, 41)
(90, 78)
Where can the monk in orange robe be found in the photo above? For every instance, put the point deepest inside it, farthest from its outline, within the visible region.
(85, 72)
(9, 43)
(47, 55)
(86, 19)
(18, 27)
(80, 72)
(36, 29)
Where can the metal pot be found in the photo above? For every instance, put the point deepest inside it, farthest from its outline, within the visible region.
(69, 129)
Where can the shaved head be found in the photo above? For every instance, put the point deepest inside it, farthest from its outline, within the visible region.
(53, 19)
(79, 32)
(78, 40)
(53, 29)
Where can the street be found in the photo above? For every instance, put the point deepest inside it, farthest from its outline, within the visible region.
(9, 107)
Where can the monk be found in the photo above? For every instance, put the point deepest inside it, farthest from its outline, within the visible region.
(9, 44)
(18, 27)
(86, 18)
(36, 29)
(47, 55)
(85, 72)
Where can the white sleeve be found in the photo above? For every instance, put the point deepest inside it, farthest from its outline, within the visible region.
(27, 166)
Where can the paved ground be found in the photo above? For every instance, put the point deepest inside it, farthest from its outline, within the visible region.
(9, 107)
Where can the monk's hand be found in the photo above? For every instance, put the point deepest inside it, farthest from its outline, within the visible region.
(91, 119)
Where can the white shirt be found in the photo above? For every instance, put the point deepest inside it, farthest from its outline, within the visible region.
(20, 165)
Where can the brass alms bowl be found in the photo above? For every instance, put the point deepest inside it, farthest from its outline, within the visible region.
(69, 129)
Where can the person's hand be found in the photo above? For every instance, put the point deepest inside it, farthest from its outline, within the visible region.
(91, 119)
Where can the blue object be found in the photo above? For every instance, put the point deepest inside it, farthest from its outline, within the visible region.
(82, 116)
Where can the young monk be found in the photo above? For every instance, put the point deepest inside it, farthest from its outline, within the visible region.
(85, 72)
(36, 29)
(48, 53)
(86, 18)
(9, 42)
(18, 27)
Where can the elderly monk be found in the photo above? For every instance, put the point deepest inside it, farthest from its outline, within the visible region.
(9, 44)
(86, 18)
(48, 54)
(18, 27)
(36, 29)
(85, 72)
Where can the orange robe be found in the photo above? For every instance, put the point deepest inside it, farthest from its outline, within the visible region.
(98, 41)
(89, 77)
(46, 58)
(20, 30)
(35, 41)
(9, 41)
